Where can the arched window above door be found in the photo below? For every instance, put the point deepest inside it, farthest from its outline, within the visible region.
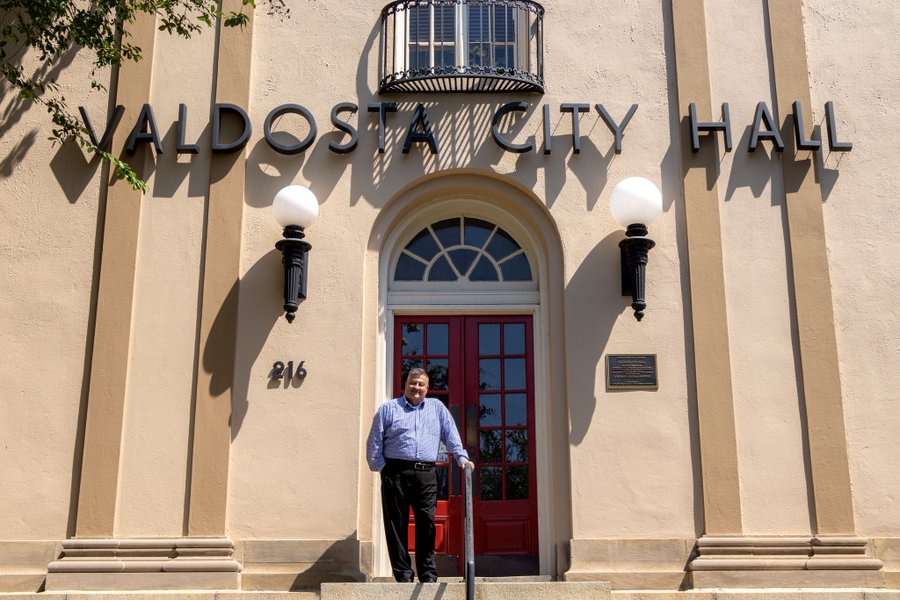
(462, 249)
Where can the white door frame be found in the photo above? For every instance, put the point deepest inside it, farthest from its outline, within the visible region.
(478, 299)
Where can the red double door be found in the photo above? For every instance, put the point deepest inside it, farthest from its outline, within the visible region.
(481, 368)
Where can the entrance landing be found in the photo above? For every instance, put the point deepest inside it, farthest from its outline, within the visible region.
(484, 590)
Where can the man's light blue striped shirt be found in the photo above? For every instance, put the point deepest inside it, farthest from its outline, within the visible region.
(406, 432)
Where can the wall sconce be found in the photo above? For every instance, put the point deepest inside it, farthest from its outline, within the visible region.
(295, 208)
(635, 202)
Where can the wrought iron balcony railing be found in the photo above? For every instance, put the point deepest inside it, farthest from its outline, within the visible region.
(462, 46)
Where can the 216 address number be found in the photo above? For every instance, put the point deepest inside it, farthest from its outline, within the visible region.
(281, 371)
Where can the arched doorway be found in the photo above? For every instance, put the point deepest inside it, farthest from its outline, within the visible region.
(465, 287)
(481, 367)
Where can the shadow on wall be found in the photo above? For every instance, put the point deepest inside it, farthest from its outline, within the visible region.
(338, 563)
(73, 169)
(69, 159)
(761, 170)
(178, 167)
(462, 133)
(17, 105)
(231, 369)
(826, 176)
(463, 137)
(754, 170)
(593, 290)
(17, 154)
(46, 72)
(672, 170)
(295, 565)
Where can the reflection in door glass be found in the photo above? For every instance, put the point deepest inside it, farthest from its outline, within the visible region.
(489, 374)
(441, 474)
(437, 338)
(489, 338)
(438, 371)
(489, 410)
(515, 373)
(491, 483)
(516, 409)
(412, 338)
(514, 338)
(516, 483)
(408, 364)
(490, 449)
(517, 445)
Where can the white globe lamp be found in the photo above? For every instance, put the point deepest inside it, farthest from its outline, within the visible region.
(635, 202)
(295, 208)
(295, 205)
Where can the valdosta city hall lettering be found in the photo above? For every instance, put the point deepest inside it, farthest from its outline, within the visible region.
(420, 128)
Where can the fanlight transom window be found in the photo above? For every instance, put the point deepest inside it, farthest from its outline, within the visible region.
(462, 249)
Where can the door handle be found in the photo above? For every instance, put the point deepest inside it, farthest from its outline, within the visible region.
(472, 445)
(471, 427)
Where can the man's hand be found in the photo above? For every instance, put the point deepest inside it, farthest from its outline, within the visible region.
(468, 463)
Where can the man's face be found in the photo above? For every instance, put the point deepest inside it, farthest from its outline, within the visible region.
(416, 389)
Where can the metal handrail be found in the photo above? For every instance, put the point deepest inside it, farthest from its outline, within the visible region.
(470, 538)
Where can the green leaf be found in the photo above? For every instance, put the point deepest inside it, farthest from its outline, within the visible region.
(51, 29)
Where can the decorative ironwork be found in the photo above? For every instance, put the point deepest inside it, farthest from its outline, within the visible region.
(462, 46)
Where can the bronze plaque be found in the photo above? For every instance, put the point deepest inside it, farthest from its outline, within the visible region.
(631, 372)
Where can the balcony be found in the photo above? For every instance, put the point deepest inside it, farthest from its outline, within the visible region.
(462, 46)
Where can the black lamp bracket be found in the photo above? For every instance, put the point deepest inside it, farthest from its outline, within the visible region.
(634, 251)
(295, 258)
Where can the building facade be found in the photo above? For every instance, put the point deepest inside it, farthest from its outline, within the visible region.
(165, 427)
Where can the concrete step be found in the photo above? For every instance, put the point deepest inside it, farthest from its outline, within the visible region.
(511, 579)
(453, 590)
(486, 589)
(161, 595)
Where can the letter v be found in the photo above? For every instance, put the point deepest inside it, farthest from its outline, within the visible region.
(111, 126)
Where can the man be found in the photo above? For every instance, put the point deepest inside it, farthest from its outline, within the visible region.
(403, 447)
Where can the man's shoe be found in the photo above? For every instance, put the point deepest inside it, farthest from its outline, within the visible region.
(429, 580)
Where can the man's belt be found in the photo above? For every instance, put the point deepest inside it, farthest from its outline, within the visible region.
(410, 464)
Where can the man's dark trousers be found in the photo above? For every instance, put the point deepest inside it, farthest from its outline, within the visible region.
(403, 487)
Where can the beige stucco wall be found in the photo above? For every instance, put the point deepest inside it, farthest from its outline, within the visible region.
(626, 447)
(164, 329)
(758, 285)
(287, 425)
(851, 54)
(295, 459)
(295, 468)
(48, 230)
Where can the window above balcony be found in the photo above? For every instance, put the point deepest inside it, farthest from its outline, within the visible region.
(462, 46)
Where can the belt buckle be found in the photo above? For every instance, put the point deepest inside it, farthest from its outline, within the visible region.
(420, 466)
